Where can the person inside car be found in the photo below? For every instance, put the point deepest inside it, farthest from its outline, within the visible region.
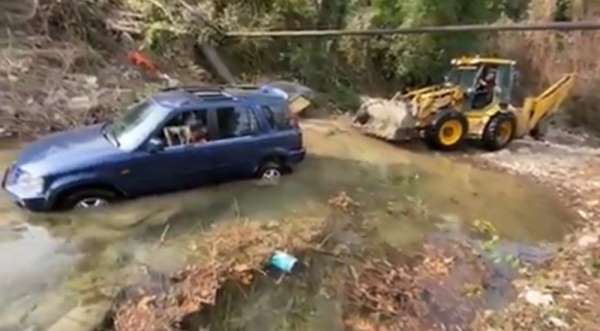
(197, 130)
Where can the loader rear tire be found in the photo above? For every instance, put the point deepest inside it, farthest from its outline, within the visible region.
(499, 131)
(447, 130)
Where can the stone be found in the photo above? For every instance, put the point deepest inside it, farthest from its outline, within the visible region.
(538, 298)
(91, 81)
(592, 203)
(583, 214)
(558, 323)
(80, 103)
(587, 241)
(83, 318)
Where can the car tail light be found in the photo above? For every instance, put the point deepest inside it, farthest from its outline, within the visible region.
(294, 121)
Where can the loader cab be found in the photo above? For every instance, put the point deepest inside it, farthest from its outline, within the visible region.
(485, 84)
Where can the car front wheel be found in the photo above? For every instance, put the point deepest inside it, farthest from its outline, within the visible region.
(88, 199)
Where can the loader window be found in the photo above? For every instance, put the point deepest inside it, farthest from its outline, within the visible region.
(506, 83)
(463, 76)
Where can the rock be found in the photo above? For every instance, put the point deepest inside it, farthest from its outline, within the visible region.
(587, 240)
(583, 214)
(558, 323)
(80, 103)
(84, 318)
(592, 203)
(341, 249)
(271, 225)
(171, 82)
(537, 298)
(91, 81)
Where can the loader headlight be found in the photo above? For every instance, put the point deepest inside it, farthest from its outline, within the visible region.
(30, 184)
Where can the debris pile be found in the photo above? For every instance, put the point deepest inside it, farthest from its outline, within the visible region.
(41, 91)
(62, 65)
(344, 203)
(432, 292)
(236, 252)
(387, 290)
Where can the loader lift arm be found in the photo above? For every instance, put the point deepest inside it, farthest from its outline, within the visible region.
(536, 109)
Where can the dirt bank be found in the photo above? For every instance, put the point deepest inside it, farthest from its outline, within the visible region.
(569, 284)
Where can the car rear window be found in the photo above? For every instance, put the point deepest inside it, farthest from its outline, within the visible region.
(277, 116)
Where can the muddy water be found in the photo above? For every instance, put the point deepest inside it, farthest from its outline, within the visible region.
(52, 263)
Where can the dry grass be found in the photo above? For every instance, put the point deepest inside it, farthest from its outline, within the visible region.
(545, 57)
(45, 66)
(427, 293)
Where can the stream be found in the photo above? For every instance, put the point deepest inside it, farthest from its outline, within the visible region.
(52, 263)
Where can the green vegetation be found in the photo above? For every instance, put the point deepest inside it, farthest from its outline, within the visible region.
(337, 67)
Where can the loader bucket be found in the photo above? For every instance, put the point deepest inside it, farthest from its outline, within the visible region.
(386, 119)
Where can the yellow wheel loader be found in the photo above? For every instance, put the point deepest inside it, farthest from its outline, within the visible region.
(474, 103)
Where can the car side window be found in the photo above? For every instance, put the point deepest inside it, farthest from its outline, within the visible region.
(270, 116)
(187, 128)
(236, 122)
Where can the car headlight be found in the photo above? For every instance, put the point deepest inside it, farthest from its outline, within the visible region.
(30, 184)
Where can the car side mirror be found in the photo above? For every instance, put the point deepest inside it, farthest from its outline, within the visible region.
(155, 145)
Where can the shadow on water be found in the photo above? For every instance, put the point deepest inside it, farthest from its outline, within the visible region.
(93, 254)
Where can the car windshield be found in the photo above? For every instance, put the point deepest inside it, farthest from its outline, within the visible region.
(463, 76)
(132, 128)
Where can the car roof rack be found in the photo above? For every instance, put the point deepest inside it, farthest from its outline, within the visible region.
(241, 86)
(213, 93)
(193, 89)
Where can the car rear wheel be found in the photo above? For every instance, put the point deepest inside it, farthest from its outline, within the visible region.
(270, 172)
(88, 199)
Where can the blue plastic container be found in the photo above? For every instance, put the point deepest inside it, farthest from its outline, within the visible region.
(283, 261)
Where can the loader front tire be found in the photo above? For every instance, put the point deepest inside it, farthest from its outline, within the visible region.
(447, 130)
(499, 131)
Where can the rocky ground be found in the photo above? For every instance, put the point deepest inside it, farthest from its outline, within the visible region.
(562, 295)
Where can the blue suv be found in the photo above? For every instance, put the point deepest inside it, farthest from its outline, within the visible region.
(179, 138)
